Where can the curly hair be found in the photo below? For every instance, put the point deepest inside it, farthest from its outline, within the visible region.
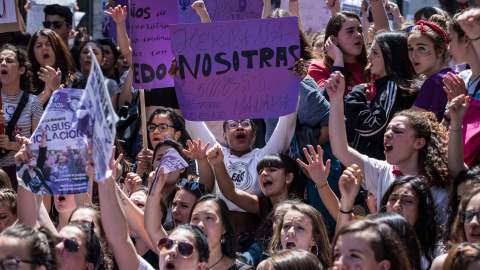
(178, 124)
(39, 242)
(319, 232)
(8, 197)
(458, 230)
(333, 28)
(432, 158)
(426, 226)
(63, 58)
(22, 58)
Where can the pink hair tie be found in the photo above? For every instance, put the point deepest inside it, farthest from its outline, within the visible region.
(434, 27)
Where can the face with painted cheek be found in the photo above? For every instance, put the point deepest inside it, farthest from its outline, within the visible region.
(422, 54)
(353, 251)
(7, 218)
(157, 136)
(182, 206)
(472, 228)
(404, 201)
(296, 231)
(172, 176)
(375, 57)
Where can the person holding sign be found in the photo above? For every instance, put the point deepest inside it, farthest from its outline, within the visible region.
(52, 65)
(21, 111)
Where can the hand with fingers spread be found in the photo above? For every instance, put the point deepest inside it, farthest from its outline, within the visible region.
(113, 164)
(118, 14)
(349, 184)
(317, 171)
(335, 86)
(454, 86)
(458, 108)
(132, 181)
(195, 150)
(51, 77)
(215, 155)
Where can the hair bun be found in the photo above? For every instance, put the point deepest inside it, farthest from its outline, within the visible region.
(440, 21)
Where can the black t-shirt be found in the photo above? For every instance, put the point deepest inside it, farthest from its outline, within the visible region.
(75, 52)
(78, 83)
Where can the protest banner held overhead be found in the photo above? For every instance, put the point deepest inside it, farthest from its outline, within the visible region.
(9, 16)
(97, 119)
(236, 69)
(171, 161)
(150, 41)
(59, 148)
(315, 14)
(35, 15)
(221, 10)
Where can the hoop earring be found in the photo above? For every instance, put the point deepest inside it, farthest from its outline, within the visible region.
(222, 240)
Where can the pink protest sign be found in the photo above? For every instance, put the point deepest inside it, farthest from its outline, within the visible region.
(150, 39)
(236, 69)
(221, 10)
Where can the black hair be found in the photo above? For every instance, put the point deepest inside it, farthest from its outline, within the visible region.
(201, 243)
(405, 233)
(428, 12)
(93, 244)
(61, 11)
(426, 226)
(229, 248)
(98, 45)
(175, 145)
(178, 124)
(23, 61)
(289, 166)
(108, 42)
(394, 48)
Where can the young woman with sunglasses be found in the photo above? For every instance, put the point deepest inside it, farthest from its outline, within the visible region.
(22, 247)
(52, 65)
(186, 247)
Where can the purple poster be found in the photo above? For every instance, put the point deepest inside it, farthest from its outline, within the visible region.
(59, 149)
(110, 27)
(171, 161)
(150, 41)
(221, 10)
(236, 69)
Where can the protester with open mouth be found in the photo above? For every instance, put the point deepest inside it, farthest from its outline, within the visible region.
(302, 227)
(15, 74)
(52, 65)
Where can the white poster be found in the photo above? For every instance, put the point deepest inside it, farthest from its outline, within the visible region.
(315, 14)
(9, 14)
(35, 15)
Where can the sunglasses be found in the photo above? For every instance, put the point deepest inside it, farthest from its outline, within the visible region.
(408, 29)
(467, 216)
(161, 127)
(183, 248)
(56, 24)
(193, 186)
(69, 244)
(232, 124)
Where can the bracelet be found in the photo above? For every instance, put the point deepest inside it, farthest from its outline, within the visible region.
(474, 39)
(321, 186)
(460, 129)
(343, 212)
(445, 117)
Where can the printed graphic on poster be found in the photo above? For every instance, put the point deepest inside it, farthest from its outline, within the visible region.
(35, 15)
(352, 5)
(59, 148)
(97, 119)
(237, 69)
(171, 161)
(221, 10)
(315, 14)
(150, 41)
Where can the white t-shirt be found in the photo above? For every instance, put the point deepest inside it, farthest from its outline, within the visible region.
(378, 178)
(144, 265)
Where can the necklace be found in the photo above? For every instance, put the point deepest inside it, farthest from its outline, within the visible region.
(471, 82)
(216, 262)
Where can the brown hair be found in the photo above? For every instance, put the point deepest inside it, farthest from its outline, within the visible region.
(333, 28)
(293, 259)
(22, 58)
(4, 180)
(8, 197)
(457, 234)
(319, 232)
(63, 58)
(461, 256)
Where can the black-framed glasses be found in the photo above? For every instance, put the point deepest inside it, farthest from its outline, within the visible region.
(12, 263)
(70, 245)
(232, 124)
(193, 186)
(467, 216)
(161, 127)
(184, 249)
(56, 24)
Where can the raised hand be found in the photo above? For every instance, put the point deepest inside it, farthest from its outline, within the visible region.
(454, 86)
(332, 49)
(195, 150)
(24, 155)
(132, 181)
(335, 86)
(349, 184)
(333, 6)
(458, 108)
(113, 164)
(215, 155)
(470, 23)
(315, 168)
(118, 14)
(199, 7)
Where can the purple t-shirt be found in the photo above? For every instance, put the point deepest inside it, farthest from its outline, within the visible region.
(432, 97)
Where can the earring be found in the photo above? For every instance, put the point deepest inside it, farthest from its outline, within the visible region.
(223, 239)
(316, 247)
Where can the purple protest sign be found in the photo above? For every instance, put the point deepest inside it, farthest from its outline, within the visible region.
(221, 10)
(236, 69)
(112, 26)
(150, 39)
(171, 161)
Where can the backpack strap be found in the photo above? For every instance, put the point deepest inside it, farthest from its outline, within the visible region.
(16, 115)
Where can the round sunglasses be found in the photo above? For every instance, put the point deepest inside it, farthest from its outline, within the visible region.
(183, 248)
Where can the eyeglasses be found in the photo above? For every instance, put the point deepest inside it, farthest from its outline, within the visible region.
(467, 216)
(12, 263)
(193, 186)
(56, 24)
(161, 127)
(184, 249)
(69, 244)
(235, 124)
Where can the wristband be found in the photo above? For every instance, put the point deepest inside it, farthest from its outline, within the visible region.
(474, 39)
(321, 186)
(343, 212)
(460, 129)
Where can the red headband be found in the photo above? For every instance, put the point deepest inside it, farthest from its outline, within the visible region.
(434, 27)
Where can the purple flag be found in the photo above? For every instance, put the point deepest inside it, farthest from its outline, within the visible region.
(171, 161)
(221, 10)
(237, 69)
(112, 26)
(150, 39)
